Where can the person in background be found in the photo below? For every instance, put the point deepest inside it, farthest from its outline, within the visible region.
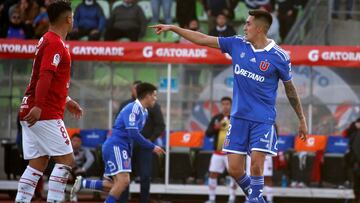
(142, 157)
(41, 21)
(217, 128)
(126, 21)
(222, 29)
(155, 7)
(16, 29)
(89, 20)
(83, 160)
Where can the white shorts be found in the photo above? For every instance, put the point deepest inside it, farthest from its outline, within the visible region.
(268, 165)
(218, 163)
(47, 137)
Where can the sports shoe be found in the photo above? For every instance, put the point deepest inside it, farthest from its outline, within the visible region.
(76, 187)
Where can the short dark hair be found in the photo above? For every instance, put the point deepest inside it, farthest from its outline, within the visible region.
(136, 82)
(263, 16)
(144, 89)
(76, 135)
(226, 99)
(57, 8)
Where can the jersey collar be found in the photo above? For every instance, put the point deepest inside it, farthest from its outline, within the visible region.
(267, 48)
(143, 110)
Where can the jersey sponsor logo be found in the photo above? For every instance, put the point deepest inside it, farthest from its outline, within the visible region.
(56, 60)
(248, 74)
(264, 65)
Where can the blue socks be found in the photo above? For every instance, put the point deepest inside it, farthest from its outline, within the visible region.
(244, 183)
(110, 199)
(92, 184)
(256, 189)
(252, 187)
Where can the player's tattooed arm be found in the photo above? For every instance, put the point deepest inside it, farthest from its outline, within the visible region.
(294, 99)
(296, 105)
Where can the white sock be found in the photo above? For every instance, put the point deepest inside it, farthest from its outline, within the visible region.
(232, 190)
(269, 194)
(57, 182)
(212, 188)
(27, 184)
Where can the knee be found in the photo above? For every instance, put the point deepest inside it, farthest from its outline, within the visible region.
(236, 172)
(256, 168)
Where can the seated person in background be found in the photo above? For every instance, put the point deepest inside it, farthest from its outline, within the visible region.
(126, 21)
(89, 20)
(83, 157)
(16, 29)
(218, 128)
(83, 160)
(222, 29)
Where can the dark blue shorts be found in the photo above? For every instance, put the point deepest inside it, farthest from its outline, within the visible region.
(244, 136)
(116, 157)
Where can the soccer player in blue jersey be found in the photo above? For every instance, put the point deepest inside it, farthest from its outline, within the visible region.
(258, 64)
(117, 149)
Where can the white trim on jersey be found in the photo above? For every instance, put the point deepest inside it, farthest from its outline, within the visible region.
(233, 151)
(282, 52)
(267, 48)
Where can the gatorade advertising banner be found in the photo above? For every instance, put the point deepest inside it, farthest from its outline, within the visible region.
(342, 56)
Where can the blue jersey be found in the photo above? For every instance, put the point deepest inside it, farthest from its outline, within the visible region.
(128, 124)
(256, 76)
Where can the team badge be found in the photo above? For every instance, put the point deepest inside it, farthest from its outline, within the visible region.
(56, 60)
(242, 55)
(264, 65)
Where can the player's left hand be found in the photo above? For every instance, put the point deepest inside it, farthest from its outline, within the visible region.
(303, 130)
(158, 150)
(74, 108)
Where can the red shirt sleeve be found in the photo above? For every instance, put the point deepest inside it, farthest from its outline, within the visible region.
(52, 56)
(42, 87)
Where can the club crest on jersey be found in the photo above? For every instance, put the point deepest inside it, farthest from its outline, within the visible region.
(264, 65)
(56, 60)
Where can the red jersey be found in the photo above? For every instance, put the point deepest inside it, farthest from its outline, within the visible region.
(51, 56)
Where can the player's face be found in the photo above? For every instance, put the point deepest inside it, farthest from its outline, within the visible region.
(76, 142)
(70, 21)
(250, 29)
(151, 99)
(226, 106)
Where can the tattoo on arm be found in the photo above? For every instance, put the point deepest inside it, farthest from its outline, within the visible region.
(294, 99)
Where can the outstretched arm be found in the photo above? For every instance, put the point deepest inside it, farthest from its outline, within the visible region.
(193, 36)
(296, 105)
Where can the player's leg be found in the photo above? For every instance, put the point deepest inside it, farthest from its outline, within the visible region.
(59, 176)
(268, 173)
(30, 178)
(257, 178)
(215, 168)
(121, 182)
(232, 183)
(262, 142)
(37, 164)
(236, 145)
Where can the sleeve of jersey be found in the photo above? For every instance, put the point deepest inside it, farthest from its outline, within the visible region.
(42, 87)
(139, 139)
(285, 71)
(52, 55)
(225, 44)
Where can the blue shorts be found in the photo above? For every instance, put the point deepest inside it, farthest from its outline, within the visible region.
(116, 157)
(244, 136)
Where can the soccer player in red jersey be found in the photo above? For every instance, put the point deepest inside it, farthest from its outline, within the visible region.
(42, 109)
